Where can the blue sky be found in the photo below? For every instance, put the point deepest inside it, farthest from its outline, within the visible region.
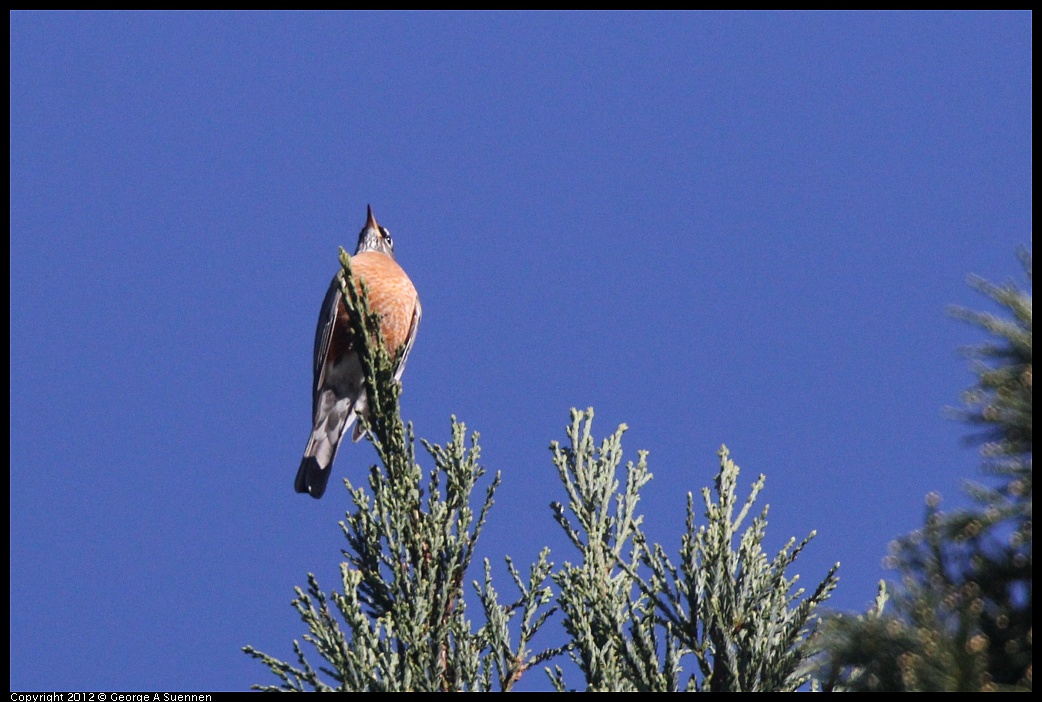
(739, 229)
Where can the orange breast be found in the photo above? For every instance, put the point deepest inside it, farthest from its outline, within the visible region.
(391, 294)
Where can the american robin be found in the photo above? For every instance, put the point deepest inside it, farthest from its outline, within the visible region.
(339, 390)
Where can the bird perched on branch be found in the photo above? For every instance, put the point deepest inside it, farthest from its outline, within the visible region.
(339, 388)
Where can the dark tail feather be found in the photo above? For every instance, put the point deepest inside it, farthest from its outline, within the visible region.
(312, 478)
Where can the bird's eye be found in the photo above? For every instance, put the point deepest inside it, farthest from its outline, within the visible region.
(387, 236)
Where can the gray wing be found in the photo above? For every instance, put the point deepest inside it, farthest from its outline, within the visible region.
(323, 333)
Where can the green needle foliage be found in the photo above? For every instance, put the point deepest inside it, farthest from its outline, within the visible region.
(735, 609)
(612, 628)
(961, 616)
(732, 610)
(632, 619)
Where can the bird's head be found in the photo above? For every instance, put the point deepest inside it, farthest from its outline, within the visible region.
(373, 237)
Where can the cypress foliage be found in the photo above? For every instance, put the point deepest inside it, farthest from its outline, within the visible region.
(635, 619)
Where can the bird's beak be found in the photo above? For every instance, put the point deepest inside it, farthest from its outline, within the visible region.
(370, 221)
